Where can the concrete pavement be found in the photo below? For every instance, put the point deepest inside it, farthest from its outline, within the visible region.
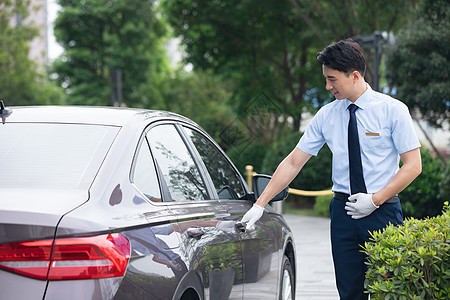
(315, 271)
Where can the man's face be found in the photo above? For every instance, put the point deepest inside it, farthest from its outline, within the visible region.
(341, 85)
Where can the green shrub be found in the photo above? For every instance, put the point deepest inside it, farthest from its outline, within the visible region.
(410, 261)
(314, 176)
(444, 184)
(251, 153)
(322, 205)
(425, 196)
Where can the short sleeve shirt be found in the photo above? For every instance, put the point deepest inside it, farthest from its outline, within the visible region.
(385, 131)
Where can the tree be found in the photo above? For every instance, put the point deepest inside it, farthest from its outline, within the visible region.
(199, 96)
(426, 195)
(258, 45)
(268, 49)
(128, 35)
(353, 19)
(20, 82)
(100, 36)
(418, 63)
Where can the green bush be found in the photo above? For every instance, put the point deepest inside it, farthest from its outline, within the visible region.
(411, 261)
(444, 184)
(314, 176)
(425, 196)
(322, 205)
(251, 153)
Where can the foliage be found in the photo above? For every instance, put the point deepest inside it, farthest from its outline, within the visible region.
(129, 35)
(164, 285)
(253, 43)
(379, 15)
(322, 205)
(98, 37)
(418, 64)
(269, 47)
(444, 184)
(352, 19)
(314, 176)
(248, 153)
(20, 81)
(411, 261)
(220, 257)
(199, 96)
(428, 192)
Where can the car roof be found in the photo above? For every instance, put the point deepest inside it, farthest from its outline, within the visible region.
(112, 116)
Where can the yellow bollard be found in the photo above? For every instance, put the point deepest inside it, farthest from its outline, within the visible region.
(249, 173)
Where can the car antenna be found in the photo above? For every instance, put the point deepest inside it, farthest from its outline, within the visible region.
(4, 112)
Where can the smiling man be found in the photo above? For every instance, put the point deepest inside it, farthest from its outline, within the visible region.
(368, 133)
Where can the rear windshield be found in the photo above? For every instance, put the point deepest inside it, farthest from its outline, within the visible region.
(36, 155)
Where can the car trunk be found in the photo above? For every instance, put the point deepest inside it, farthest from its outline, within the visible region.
(31, 214)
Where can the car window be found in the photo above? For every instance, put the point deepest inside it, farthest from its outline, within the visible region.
(36, 155)
(144, 173)
(176, 164)
(225, 179)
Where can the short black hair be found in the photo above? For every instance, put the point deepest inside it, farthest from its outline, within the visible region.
(345, 56)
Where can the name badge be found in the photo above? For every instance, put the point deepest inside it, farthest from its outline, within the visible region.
(372, 134)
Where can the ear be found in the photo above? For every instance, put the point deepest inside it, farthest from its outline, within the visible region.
(356, 76)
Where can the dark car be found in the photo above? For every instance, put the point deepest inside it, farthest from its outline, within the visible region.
(119, 203)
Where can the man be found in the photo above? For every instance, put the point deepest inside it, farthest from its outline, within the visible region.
(367, 132)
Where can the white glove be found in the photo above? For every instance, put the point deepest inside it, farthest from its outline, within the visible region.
(226, 226)
(253, 215)
(360, 205)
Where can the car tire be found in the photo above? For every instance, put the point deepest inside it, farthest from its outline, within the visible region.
(287, 281)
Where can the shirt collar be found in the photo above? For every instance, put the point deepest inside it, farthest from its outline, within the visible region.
(363, 100)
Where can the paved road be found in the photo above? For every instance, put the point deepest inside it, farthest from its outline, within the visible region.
(315, 272)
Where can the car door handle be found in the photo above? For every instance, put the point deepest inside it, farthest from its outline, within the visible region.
(240, 226)
(195, 232)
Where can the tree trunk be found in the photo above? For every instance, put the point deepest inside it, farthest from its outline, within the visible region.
(430, 141)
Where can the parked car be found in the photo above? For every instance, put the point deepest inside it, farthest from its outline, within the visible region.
(120, 203)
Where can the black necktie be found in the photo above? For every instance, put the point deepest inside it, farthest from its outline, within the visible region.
(357, 184)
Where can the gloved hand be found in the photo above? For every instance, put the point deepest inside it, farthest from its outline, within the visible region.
(226, 226)
(360, 205)
(253, 215)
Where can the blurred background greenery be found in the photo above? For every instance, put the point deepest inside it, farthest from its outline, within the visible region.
(248, 73)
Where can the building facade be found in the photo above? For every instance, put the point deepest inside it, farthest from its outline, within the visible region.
(37, 18)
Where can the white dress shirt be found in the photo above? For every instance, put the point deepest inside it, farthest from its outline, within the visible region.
(385, 130)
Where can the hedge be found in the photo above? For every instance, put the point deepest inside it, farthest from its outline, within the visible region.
(410, 261)
(314, 176)
(425, 196)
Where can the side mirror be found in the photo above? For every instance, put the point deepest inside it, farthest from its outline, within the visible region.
(260, 182)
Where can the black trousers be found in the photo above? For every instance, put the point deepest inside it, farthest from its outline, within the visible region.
(347, 236)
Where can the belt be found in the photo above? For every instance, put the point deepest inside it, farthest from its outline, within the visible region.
(344, 197)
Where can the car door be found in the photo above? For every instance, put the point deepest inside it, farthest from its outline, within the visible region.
(209, 243)
(260, 245)
(155, 259)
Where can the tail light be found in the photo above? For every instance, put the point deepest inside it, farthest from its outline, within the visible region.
(92, 257)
